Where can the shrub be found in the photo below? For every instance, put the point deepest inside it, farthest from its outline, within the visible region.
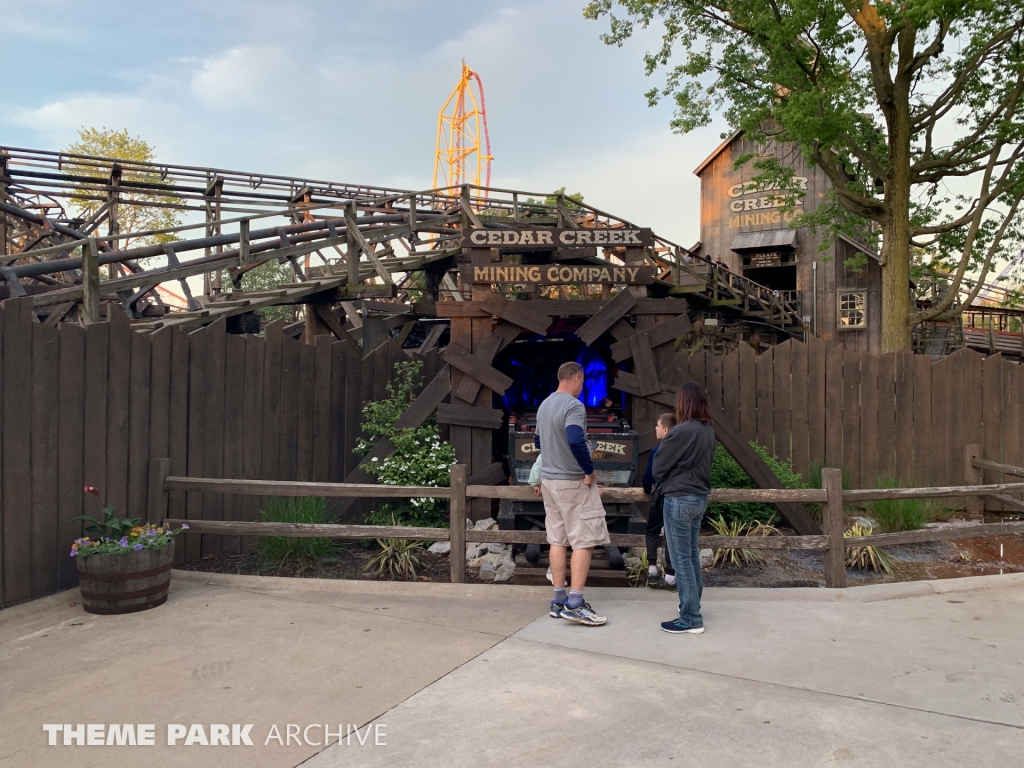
(894, 515)
(875, 558)
(399, 557)
(278, 551)
(738, 556)
(419, 458)
(726, 473)
(813, 480)
(636, 574)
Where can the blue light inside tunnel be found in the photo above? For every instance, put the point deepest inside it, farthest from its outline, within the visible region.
(595, 377)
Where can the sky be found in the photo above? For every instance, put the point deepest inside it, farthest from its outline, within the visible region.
(350, 91)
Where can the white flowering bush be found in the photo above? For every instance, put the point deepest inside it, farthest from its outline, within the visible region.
(419, 458)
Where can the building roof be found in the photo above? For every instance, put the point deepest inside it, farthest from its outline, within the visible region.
(860, 247)
(764, 240)
(718, 150)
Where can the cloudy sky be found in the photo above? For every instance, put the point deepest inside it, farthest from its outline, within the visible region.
(350, 91)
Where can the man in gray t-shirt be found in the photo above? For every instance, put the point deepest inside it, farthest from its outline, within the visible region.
(573, 512)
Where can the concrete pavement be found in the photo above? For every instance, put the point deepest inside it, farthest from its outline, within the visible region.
(925, 674)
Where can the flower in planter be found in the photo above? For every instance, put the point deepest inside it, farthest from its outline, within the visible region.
(117, 536)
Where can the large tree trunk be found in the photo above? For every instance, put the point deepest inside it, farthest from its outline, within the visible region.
(896, 329)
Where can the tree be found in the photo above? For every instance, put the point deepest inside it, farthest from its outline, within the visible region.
(911, 109)
(266, 277)
(136, 211)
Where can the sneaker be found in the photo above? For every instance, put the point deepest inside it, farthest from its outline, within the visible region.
(678, 627)
(556, 609)
(582, 614)
(658, 582)
(549, 577)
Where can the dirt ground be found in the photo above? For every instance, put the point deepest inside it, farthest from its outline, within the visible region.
(791, 568)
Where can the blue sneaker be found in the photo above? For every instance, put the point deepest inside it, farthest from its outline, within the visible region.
(556, 609)
(679, 627)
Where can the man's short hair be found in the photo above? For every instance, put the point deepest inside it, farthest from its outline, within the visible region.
(567, 370)
(667, 420)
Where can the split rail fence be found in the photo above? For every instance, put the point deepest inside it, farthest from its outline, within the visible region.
(831, 496)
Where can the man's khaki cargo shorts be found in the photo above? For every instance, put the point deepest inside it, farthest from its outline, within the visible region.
(574, 514)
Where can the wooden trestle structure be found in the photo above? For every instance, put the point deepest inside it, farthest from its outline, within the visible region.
(369, 262)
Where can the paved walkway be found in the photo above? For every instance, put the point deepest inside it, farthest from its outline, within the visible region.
(469, 675)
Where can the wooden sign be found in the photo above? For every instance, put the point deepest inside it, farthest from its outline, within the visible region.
(601, 448)
(765, 260)
(557, 274)
(546, 239)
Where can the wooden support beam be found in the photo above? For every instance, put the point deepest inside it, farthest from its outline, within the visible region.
(469, 416)
(606, 317)
(460, 357)
(659, 334)
(492, 475)
(486, 350)
(371, 255)
(435, 333)
(156, 507)
(521, 313)
(325, 314)
(643, 363)
(90, 282)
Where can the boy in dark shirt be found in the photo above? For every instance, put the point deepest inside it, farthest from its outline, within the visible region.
(655, 519)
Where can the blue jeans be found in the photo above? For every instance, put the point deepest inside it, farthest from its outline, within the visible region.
(682, 530)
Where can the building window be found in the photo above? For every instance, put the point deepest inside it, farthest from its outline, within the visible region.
(853, 311)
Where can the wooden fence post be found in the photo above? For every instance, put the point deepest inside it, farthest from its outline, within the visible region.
(973, 476)
(833, 523)
(457, 523)
(156, 507)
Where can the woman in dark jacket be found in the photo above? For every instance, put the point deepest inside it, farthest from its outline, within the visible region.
(683, 467)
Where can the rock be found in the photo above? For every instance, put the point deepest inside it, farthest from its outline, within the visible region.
(469, 524)
(475, 549)
(440, 548)
(505, 572)
(706, 556)
(632, 561)
(487, 571)
(496, 547)
(485, 525)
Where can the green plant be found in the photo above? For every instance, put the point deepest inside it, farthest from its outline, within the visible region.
(738, 556)
(875, 558)
(894, 515)
(116, 535)
(637, 573)
(399, 557)
(726, 473)
(419, 456)
(305, 552)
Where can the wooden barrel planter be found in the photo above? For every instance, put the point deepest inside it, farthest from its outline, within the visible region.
(125, 583)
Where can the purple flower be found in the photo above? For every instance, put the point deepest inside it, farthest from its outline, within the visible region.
(123, 542)
(184, 526)
(74, 552)
(137, 547)
(151, 532)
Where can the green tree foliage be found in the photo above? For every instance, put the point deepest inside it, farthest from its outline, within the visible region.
(419, 458)
(912, 109)
(726, 473)
(136, 211)
(266, 277)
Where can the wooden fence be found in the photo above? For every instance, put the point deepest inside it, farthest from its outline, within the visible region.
(831, 496)
(91, 406)
(874, 416)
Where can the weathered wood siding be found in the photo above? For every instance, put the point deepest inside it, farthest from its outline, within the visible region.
(91, 407)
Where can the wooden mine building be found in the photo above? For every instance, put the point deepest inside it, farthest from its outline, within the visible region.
(742, 226)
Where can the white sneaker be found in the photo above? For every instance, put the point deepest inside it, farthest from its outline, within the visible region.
(549, 577)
